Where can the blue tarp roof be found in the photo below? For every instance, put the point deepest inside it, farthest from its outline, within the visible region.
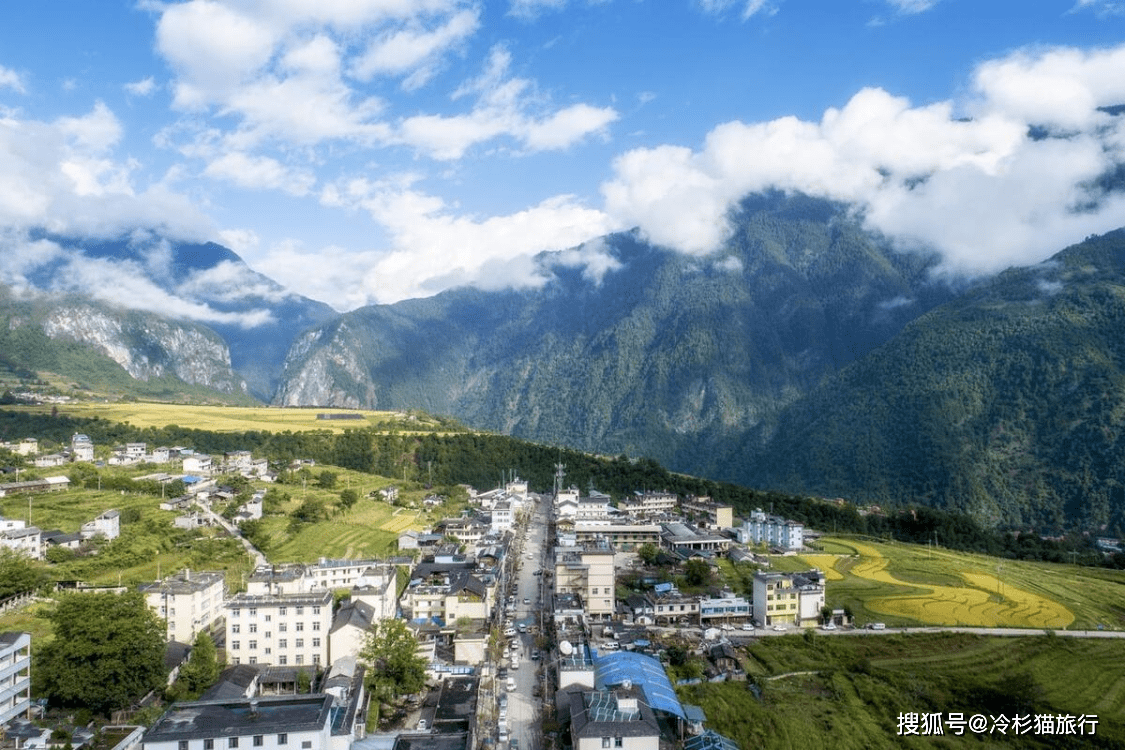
(644, 671)
(710, 740)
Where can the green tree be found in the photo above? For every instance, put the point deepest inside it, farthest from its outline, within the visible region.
(202, 669)
(395, 667)
(18, 573)
(348, 498)
(697, 572)
(648, 553)
(326, 480)
(108, 651)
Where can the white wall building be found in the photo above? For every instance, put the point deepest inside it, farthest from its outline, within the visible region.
(189, 602)
(15, 675)
(279, 629)
(772, 531)
(789, 598)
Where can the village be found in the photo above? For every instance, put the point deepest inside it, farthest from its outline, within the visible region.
(544, 620)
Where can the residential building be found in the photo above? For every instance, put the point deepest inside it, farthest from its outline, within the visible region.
(648, 504)
(107, 525)
(48, 484)
(27, 540)
(350, 626)
(714, 515)
(773, 531)
(681, 538)
(198, 463)
(291, 722)
(279, 629)
(588, 573)
(503, 516)
(189, 602)
(81, 447)
(620, 536)
(617, 719)
(15, 675)
(723, 609)
(789, 598)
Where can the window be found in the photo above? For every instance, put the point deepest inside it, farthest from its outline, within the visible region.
(208, 744)
(234, 612)
(257, 740)
(268, 650)
(269, 634)
(253, 627)
(183, 744)
(300, 643)
(253, 645)
(300, 627)
(316, 658)
(617, 742)
(253, 660)
(300, 658)
(605, 741)
(283, 739)
(269, 618)
(235, 628)
(281, 611)
(253, 611)
(300, 610)
(316, 610)
(282, 660)
(316, 625)
(232, 742)
(305, 744)
(234, 646)
(316, 643)
(282, 628)
(283, 643)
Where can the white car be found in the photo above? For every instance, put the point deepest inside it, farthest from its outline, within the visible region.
(747, 626)
(829, 626)
(511, 685)
(779, 628)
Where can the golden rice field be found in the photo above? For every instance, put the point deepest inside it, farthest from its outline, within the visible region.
(939, 587)
(223, 418)
(399, 523)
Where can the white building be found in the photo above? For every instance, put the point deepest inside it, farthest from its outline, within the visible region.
(15, 675)
(279, 629)
(107, 525)
(290, 722)
(588, 572)
(503, 516)
(198, 464)
(649, 503)
(772, 531)
(81, 447)
(189, 602)
(27, 540)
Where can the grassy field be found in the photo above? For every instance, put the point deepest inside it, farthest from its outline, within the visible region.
(847, 692)
(905, 584)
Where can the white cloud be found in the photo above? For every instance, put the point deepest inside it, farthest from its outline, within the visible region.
(502, 108)
(750, 8)
(911, 7)
(260, 172)
(980, 190)
(1100, 7)
(11, 79)
(434, 248)
(143, 87)
(530, 9)
(415, 51)
(595, 258)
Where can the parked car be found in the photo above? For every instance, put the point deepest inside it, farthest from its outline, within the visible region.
(421, 725)
(526, 600)
(747, 626)
(511, 684)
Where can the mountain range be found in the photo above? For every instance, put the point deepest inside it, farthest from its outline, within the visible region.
(808, 355)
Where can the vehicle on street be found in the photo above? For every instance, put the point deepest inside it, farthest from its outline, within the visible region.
(526, 600)
(747, 626)
(514, 744)
(421, 725)
(829, 626)
(509, 631)
(779, 628)
(535, 655)
(876, 626)
(523, 627)
(511, 684)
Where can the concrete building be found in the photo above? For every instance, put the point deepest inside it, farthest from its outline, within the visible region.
(789, 598)
(621, 536)
(648, 504)
(15, 675)
(292, 722)
(588, 573)
(618, 719)
(189, 602)
(772, 531)
(714, 515)
(279, 629)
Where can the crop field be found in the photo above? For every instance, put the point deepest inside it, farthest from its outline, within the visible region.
(227, 418)
(913, 585)
(821, 691)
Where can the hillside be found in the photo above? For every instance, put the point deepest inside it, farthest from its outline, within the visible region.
(662, 355)
(1007, 403)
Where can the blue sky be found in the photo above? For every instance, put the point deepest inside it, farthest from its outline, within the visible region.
(363, 151)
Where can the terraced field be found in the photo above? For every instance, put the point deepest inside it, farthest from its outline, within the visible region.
(912, 585)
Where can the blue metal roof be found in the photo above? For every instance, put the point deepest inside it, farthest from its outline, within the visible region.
(644, 671)
(710, 740)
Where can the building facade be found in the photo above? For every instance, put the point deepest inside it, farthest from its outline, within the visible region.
(189, 602)
(279, 629)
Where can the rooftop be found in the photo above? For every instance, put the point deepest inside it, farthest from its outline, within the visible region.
(200, 719)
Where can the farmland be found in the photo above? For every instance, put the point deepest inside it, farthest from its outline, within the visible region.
(905, 584)
(818, 691)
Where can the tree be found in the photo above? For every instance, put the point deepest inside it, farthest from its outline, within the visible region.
(202, 669)
(391, 651)
(326, 480)
(648, 553)
(348, 498)
(108, 651)
(19, 574)
(697, 572)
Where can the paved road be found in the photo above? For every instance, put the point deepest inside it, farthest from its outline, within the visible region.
(523, 706)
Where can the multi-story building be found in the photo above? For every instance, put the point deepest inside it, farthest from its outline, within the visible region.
(189, 602)
(620, 536)
(789, 598)
(675, 607)
(503, 516)
(715, 515)
(773, 531)
(198, 463)
(81, 447)
(588, 572)
(684, 539)
(15, 675)
(106, 525)
(620, 718)
(648, 504)
(27, 540)
(289, 722)
(279, 629)
(723, 609)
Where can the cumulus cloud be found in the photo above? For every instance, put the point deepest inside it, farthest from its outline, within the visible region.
(143, 87)
(10, 79)
(260, 172)
(595, 258)
(434, 248)
(749, 7)
(414, 50)
(503, 107)
(984, 190)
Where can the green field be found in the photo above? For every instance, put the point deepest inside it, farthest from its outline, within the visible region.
(847, 692)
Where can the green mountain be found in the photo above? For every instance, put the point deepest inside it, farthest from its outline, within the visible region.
(663, 355)
(72, 345)
(1007, 403)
